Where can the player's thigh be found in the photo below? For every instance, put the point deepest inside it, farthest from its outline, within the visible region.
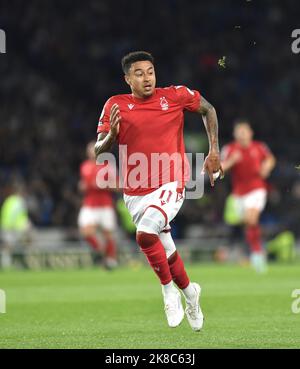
(135, 206)
(164, 202)
(90, 219)
(86, 220)
(237, 208)
(106, 219)
(254, 204)
(251, 216)
(170, 200)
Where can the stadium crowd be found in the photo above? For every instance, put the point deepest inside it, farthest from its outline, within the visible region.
(63, 62)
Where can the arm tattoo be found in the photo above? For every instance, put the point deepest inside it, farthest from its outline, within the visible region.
(210, 120)
(104, 143)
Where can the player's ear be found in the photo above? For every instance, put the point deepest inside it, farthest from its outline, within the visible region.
(127, 79)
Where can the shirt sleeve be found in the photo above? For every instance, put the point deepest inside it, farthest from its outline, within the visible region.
(225, 152)
(87, 175)
(264, 150)
(103, 123)
(189, 99)
(82, 171)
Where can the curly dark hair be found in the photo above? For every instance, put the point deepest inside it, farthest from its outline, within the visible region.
(133, 57)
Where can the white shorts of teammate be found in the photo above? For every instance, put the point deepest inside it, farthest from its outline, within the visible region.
(255, 199)
(104, 217)
(153, 212)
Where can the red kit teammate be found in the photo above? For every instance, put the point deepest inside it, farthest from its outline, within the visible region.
(147, 121)
(251, 162)
(97, 211)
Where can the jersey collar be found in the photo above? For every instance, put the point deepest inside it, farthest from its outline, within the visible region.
(145, 100)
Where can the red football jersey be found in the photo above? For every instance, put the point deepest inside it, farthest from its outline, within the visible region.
(245, 174)
(93, 195)
(148, 126)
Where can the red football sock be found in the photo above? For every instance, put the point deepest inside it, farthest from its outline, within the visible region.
(253, 237)
(94, 242)
(156, 255)
(177, 270)
(111, 249)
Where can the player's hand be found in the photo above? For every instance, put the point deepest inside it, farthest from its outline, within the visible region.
(212, 166)
(114, 120)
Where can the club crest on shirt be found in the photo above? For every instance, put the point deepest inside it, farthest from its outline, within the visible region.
(164, 103)
(130, 106)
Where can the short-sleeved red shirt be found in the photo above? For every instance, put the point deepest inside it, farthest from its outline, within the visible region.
(94, 196)
(148, 126)
(245, 174)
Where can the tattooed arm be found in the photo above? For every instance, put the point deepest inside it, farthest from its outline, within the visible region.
(104, 143)
(212, 162)
(106, 140)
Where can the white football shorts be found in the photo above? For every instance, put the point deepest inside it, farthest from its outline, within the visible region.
(165, 200)
(104, 217)
(255, 199)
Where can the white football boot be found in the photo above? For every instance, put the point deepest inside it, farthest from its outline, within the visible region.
(258, 262)
(173, 308)
(193, 311)
(110, 263)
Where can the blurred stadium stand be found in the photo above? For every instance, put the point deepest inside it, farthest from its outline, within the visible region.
(63, 62)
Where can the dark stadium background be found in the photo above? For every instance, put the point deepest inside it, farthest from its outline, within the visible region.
(63, 62)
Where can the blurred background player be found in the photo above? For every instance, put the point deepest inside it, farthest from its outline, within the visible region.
(97, 213)
(14, 223)
(250, 163)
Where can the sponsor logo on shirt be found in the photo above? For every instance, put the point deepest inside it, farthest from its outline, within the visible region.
(130, 106)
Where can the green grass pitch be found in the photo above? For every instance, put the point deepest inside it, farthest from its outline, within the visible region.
(123, 309)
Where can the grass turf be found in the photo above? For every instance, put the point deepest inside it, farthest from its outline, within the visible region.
(123, 309)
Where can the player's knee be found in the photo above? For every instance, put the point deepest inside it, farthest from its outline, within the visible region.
(146, 239)
(87, 231)
(152, 221)
(108, 235)
(251, 221)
